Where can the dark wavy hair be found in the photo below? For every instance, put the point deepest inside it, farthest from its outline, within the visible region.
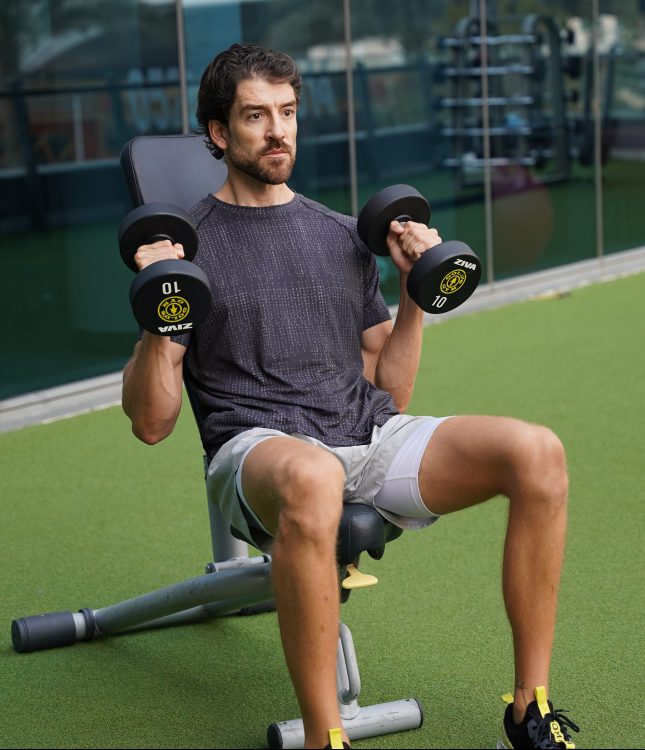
(219, 82)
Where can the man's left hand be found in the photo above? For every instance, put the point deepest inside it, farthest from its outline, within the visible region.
(407, 243)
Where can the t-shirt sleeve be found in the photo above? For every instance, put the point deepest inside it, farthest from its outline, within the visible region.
(181, 338)
(375, 310)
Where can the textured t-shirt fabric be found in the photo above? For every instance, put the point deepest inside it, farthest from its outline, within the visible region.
(293, 290)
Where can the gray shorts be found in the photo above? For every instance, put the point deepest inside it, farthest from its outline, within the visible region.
(383, 473)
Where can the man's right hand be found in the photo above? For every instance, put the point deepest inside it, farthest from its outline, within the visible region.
(161, 250)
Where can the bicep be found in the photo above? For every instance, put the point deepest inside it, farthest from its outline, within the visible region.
(372, 344)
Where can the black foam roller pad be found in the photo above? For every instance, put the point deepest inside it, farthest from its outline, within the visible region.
(38, 632)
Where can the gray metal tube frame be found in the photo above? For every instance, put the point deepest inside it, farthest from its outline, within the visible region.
(359, 722)
(247, 582)
(225, 545)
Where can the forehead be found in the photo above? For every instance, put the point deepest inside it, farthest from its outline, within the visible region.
(260, 92)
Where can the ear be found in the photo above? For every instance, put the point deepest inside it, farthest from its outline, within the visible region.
(218, 133)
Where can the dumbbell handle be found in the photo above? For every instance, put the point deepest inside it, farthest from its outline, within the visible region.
(158, 238)
(403, 219)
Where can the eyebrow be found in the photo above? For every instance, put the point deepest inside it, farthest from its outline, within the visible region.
(247, 107)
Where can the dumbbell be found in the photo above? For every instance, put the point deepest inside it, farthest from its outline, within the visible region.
(171, 295)
(444, 276)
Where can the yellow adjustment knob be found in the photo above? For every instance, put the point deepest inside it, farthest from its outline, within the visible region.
(357, 580)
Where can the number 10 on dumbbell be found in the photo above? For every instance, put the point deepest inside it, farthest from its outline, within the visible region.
(445, 275)
(171, 295)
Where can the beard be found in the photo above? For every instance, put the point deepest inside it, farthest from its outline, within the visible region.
(270, 172)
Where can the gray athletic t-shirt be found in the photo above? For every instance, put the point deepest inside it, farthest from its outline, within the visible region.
(293, 290)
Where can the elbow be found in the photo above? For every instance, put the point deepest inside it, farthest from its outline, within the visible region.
(149, 438)
(401, 397)
(401, 404)
(150, 434)
(149, 427)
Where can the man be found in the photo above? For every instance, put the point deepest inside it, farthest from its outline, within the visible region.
(304, 380)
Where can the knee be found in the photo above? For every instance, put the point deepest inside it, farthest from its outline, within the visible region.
(312, 499)
(540, 466)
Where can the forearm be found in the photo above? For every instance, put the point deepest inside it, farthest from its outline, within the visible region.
(398, 363)
(152, 388)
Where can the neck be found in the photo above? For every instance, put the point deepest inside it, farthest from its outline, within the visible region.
(242, 190)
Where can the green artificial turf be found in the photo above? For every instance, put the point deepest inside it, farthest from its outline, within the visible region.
(90, 517)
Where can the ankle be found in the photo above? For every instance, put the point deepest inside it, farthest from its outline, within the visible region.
(523, 696)
(518, 714)
(332, 738)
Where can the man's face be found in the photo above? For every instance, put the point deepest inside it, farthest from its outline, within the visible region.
(260, 138)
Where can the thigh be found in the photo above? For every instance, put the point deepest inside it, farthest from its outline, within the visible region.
(286, 472)
(471, 459)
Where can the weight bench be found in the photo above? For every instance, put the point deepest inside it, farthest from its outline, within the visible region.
(179, 170)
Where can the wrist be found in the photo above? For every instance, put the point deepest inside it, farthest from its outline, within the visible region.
(154, 347)
(152, 339)
(405, 300)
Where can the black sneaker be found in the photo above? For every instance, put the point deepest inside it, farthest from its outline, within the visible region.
(542, 727)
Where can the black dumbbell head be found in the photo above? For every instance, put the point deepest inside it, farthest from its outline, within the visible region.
(153, 222)
(170, 296)
(444, 277)
(400, 202)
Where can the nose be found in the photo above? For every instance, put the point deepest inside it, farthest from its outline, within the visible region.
(276, 131)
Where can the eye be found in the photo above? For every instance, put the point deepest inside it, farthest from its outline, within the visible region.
(255, 116)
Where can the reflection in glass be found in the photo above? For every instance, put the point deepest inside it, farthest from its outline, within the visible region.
(312, 33)
(77, 81)
(404, 117)
(622, 85)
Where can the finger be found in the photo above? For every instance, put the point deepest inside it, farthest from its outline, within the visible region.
(414, 253)
(411, 245)
(155, 252)
(394, 234)
(419, 239)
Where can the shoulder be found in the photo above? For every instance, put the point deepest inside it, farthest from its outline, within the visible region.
(336, 220)
(314, 208)
(202, 209)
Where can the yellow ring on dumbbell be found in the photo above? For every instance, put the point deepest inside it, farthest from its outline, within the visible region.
(453, 281)
(173, 309)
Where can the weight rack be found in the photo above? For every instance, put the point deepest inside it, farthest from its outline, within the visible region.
(526, 98)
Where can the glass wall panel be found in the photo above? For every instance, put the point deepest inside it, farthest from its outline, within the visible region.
(312, 33)
(409, 81)
(542, 180)
(622, 68)
(77, 79)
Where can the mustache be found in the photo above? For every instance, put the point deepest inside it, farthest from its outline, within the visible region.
(277, 147)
